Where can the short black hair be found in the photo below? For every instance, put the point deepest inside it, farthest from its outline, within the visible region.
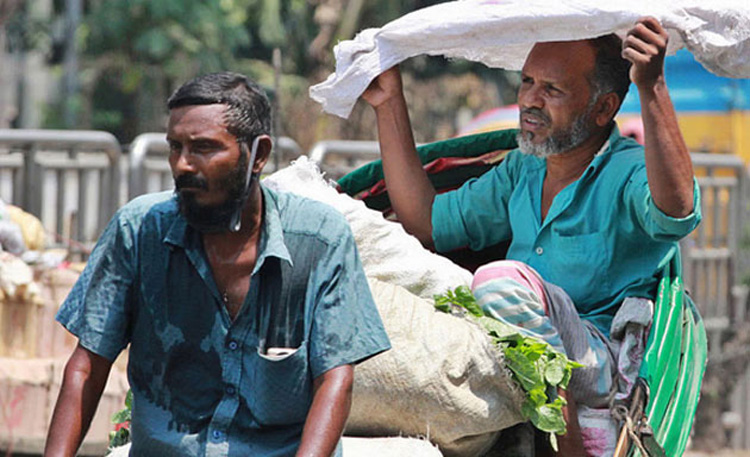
(611, 72)
(248, 111)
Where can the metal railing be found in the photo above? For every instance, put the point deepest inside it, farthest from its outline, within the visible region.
(338, 157)
(285, 150)
(148, 168)
(711, 253)
(68, 179)
(713, 266)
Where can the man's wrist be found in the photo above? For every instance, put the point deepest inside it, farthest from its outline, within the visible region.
(653, 87)
(391, 103)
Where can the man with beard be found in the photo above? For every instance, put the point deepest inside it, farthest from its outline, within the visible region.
(245, 309)
(592, 217)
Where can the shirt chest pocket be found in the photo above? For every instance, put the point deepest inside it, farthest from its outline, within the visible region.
(281, 391)
(579, 263)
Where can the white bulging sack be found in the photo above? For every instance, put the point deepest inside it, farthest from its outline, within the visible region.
(387, 252)
(443, 379)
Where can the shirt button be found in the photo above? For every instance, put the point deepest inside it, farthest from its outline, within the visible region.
(216, 434)
(233, 345)
(230, 390)
(539, 250)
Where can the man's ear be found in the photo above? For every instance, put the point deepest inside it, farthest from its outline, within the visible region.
(265, 145)
(606, 108)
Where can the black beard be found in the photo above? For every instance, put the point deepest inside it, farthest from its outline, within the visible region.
(213, 218)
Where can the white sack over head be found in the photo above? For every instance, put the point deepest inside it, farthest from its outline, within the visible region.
(500, 34)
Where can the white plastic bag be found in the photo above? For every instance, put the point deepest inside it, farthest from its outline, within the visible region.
(388, 253)
(500, 33)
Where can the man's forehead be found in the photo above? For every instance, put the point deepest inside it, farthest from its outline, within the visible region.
(198, 116)
(212, 109)
(564, 57)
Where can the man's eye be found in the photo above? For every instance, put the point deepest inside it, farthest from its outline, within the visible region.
(203, 148)
(174, 147)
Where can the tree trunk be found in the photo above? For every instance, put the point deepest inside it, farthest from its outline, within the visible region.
(350, 21)
(5, 105)
(7, 109)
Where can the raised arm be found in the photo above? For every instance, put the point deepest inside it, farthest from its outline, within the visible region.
(409, 189)
(83, 383)
(668, 165)
(325, 422)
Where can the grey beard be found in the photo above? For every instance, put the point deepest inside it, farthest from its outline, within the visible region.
(559, 142)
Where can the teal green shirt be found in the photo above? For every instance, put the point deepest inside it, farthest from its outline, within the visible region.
(203, 384)
(603, 238)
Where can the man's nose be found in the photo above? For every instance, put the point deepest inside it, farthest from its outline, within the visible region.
(530, 98)
(182, 161)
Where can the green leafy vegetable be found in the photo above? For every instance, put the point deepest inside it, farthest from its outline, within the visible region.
(554, 372)
(460, 297)
(524, 368)
(121, 434)
(536, 366)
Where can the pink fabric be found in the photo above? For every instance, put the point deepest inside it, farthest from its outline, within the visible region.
(518, 271)
(598, 431)
(527, 296)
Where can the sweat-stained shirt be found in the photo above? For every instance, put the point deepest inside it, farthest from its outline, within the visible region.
(603, 238)
(204, 384)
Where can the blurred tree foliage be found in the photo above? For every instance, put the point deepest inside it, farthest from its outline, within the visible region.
(134, 53)
(202, 34)
(7, 11)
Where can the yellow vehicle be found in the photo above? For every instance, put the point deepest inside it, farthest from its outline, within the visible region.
(713, 112)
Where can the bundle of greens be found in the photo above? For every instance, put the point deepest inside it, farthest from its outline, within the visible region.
(536, 366)
(121, 434)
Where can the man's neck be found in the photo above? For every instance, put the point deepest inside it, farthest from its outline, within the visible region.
(247, 237)
(570, 165)
(233, 255)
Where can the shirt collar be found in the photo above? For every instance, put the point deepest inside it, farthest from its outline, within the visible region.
(271, 238)
(606, 150)
(177, 233)
(272, 232)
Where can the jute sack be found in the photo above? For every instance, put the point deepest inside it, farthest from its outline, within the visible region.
(443, 379)
(358, 447)
(396, 446)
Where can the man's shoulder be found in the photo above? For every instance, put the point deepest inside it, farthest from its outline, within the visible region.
(158, 204)
(626, 153)
(300, 214)
(515, 156)
(517, 160)
(146, 202)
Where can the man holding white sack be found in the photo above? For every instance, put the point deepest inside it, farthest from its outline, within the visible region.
(593, 217)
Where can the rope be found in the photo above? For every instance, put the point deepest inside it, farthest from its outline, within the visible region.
(621, 413)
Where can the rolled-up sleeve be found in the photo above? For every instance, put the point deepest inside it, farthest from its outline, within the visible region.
(657, 224)
(476, 214)
(347, 327)
(96, 309)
